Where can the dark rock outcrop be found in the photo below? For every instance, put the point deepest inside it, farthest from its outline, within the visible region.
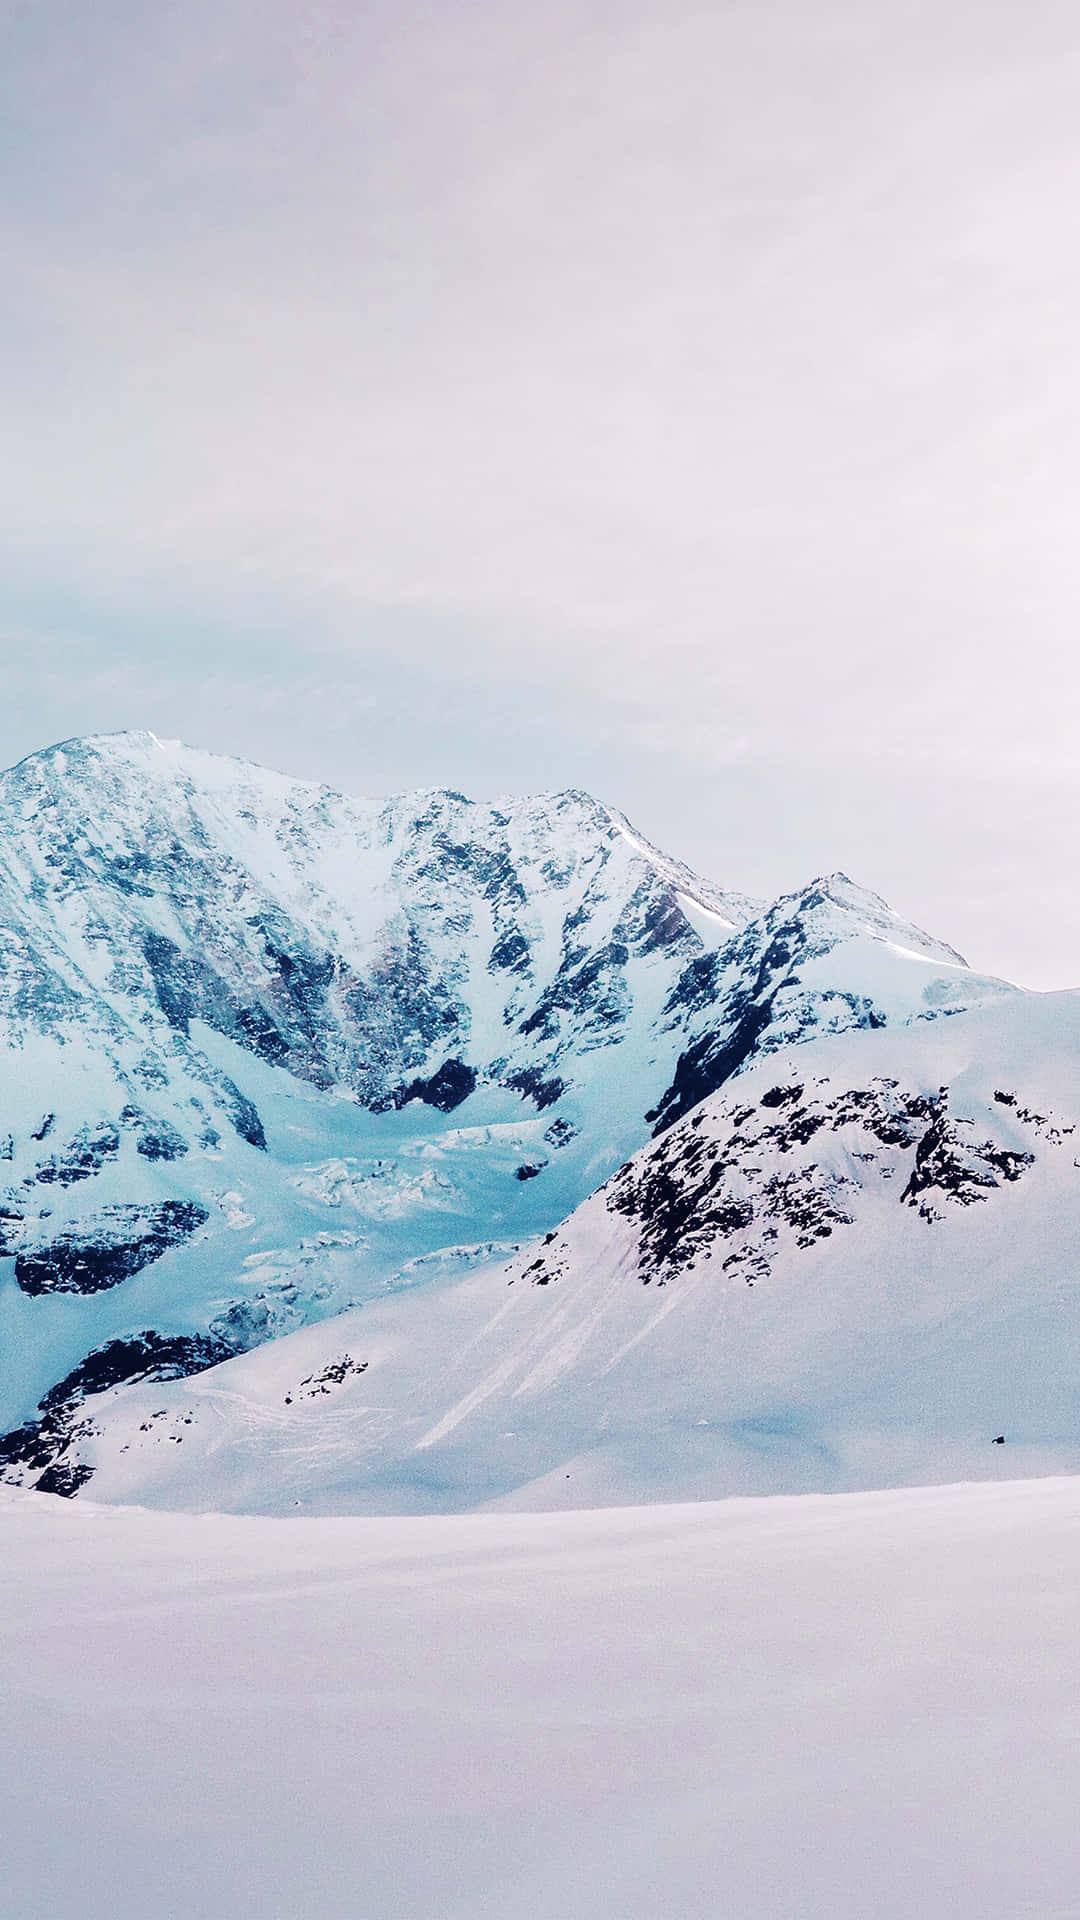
(39, 1445)
(92, 1255)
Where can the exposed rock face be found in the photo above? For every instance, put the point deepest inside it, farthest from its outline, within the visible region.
(360, 944)
(107, 1248)
(35, 1452)
(406, 949)
(732, 1182)
(81, 1157)
(775, 983)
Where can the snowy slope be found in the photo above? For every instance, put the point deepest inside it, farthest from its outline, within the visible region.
(267, 1051)
(857, 1265)
(862, 1708)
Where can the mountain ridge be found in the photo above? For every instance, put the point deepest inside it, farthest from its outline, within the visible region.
(270, 1050)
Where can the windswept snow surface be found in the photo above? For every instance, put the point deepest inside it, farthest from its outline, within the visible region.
(857, 1708)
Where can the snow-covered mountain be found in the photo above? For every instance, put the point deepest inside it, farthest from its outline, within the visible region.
(265, 1049)
(857, 1265)
(268, 1052)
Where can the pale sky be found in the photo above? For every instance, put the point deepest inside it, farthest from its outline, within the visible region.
(681, 402)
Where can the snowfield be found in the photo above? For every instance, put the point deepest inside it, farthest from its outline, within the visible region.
(863, 1707)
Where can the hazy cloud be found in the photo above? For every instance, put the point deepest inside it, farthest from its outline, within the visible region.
(681, 400)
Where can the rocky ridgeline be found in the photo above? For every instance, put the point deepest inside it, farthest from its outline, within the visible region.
(742, 1185)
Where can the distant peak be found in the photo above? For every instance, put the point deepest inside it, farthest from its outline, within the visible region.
(124, 742)
(134, 736)
(866, 912)
(844, 892)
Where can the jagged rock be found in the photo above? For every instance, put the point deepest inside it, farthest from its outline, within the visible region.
(39, 1445)
(102, 1252)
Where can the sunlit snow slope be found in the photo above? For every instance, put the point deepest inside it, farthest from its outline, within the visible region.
(267, 1052)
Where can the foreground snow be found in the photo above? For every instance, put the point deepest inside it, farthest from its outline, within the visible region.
(854, 1708)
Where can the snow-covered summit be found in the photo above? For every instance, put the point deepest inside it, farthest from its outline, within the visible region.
(832, 902)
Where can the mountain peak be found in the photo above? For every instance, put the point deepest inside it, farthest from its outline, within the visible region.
(861, 911)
